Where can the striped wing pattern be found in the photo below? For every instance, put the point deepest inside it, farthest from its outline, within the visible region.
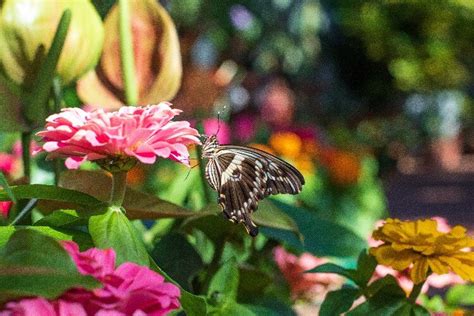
(242, 176)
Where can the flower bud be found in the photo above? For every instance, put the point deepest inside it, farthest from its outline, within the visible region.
(27, 28)
(157, 58)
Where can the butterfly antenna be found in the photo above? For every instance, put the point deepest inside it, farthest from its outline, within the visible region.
(218, 122)
(189, 171)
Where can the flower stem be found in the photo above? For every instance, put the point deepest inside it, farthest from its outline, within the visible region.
(25, 154)
(119, 186)
(57, 93)
(415, 292)
(126, 54)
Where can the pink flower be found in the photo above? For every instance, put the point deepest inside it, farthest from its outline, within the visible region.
(129, 289)
(311, 286)
(96, 262)
(41, 307)
(5, 207)
(7, 163)
(212, 125)
(142, 133)
(244, 127)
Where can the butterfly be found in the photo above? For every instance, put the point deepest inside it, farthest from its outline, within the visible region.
(243, 175)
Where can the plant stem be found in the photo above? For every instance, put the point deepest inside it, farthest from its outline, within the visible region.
(57, 93)
(126, 54)
(27, 209)
(415, 292)
(25, 154)
(119, 186)
(202, 170)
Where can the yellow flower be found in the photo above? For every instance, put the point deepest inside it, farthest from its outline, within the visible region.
(419, 244)
(287, 144)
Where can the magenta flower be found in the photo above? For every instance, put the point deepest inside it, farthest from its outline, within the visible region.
(141, 133)
(5, 207)
(41, 307)
(213, 126)
(129, 289)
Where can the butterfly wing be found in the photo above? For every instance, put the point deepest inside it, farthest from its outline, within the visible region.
(282, 178)
(242, 176)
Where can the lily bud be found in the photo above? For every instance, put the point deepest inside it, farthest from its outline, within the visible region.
(157, 58)
(27, 28)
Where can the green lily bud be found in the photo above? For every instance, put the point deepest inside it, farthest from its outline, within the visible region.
(27, 28)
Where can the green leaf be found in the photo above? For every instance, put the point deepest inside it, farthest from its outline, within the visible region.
(233, 308)
(80, 237)
(193, 305)
(385, 297)
(334, 268)
(36, 110)
(225, 282)
(175, 255)
(50, 192)
(269, 215)
(33, 264)
(321, 237)
(338, 302)
(137, 204)
(366, 265)
(252, 283)
(462, 294)
(60, 218)
(387, 285)
(391, 306)
(6, 187)
(114, 230)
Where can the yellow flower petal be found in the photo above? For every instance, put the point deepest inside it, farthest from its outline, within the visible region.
(462, 264)
(437, 266)
(399, 260)
(419, 270)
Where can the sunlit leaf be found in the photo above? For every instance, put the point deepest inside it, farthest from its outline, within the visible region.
(114, 230)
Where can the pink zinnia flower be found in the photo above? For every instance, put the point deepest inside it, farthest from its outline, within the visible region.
(311, 286)
(41, 307)
(221, 129)
(129, 289)
(141, 133)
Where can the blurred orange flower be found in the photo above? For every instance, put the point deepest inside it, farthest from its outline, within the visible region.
(287, 144)
(264, 148)
(344, 167)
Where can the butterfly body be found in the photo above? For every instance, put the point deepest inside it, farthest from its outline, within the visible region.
(242, 176)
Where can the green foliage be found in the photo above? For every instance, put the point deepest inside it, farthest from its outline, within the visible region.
(50, 193)
(321, 237)
(175, 255)
(113, 230)
(338, 302)
(424, 46)
(6, 187)
(33, 264)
